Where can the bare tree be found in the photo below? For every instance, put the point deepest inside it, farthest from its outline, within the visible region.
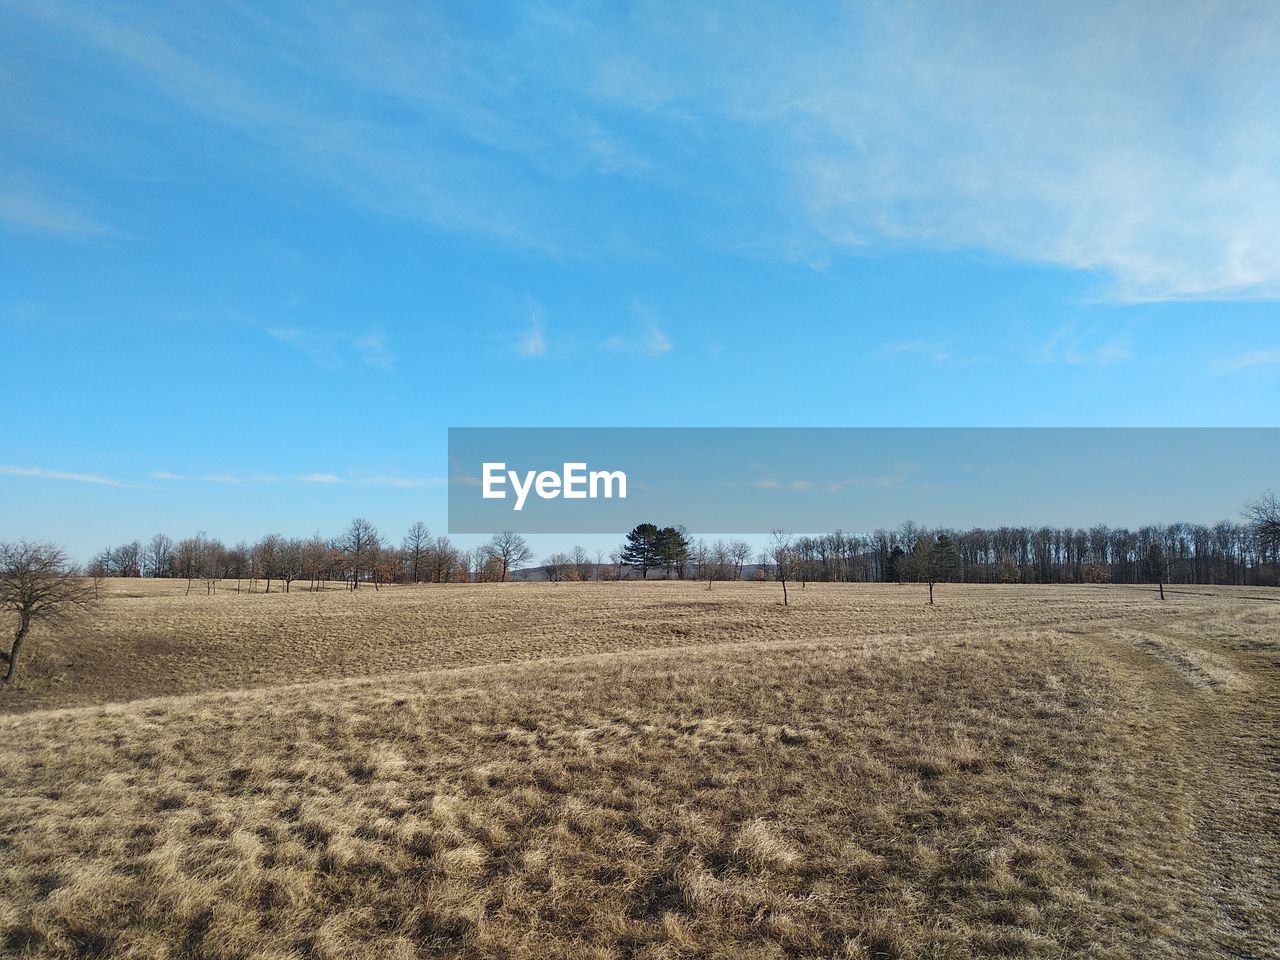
(189, 553)
(443, 561)
(37, 582)
(931, 559)
(315, 560)
(581, 561)
(510, 549)
(158, 556)
(781, 554)
(1157, 564)
(290, 561)
(238, 562)
(1264, 514)
(415, 547)
(556, 566)
(360, 542)
(266, 557)
(211, 563)
(739, 552)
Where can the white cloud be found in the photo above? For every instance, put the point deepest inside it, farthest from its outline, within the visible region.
(374, 350)
(533, 342)
(329, 351)
(318, 478)
(46, 474)
(317, 347)
(170, 477)
(939, 352)
(1074, 346)
(656, 342)
(650, 341)
(1134, 139)
(405, 483)
(1245, 361)
(24, 208)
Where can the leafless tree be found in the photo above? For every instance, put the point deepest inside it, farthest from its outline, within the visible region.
(1264, 514)
(360, 543)
(1157, 563)
(415, 547)
(290, 561)
(510, 549)
(581, 561)
(158, 556)
(37, 582)
(739, 553)
(189, 553)
(782, 555)
(932, 559)
(266, 557)
(556, 566)
(443, 561)
(211, 564)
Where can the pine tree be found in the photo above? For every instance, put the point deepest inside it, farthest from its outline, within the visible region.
(673, 550)
(641, 549)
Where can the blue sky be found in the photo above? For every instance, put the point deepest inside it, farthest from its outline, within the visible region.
(255, 259)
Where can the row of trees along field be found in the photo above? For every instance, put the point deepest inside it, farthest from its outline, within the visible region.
(1227, 554)
(359, 555)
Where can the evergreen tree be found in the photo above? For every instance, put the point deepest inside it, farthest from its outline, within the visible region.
(673, 550)
(641, 549)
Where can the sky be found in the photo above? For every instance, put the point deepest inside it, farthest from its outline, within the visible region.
(256, 259)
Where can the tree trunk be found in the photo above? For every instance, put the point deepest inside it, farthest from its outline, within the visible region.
(785, 602)
(931, 594)
(1161, 589)
(24, 625)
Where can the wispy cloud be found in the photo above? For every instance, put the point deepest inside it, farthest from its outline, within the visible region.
(939, 352)
(1246, 361)
(316, 347)
(30, 211)
(330, 351)
(405, 483)
(1074, 346)
(353, 478)
(533, 342)
(655, 341)
(43, 473)
(1042, 135)
(651, 340)
(168, 477)
(374, 350)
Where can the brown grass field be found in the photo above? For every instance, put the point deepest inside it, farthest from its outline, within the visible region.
(626, 770)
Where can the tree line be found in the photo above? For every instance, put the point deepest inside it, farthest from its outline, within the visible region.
(359, 555)
(1223, 554)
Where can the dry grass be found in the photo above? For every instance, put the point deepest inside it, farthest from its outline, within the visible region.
(624, 770)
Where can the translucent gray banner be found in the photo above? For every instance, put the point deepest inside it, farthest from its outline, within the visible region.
(753, 480)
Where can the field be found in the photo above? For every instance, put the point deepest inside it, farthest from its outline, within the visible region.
(626, 770)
